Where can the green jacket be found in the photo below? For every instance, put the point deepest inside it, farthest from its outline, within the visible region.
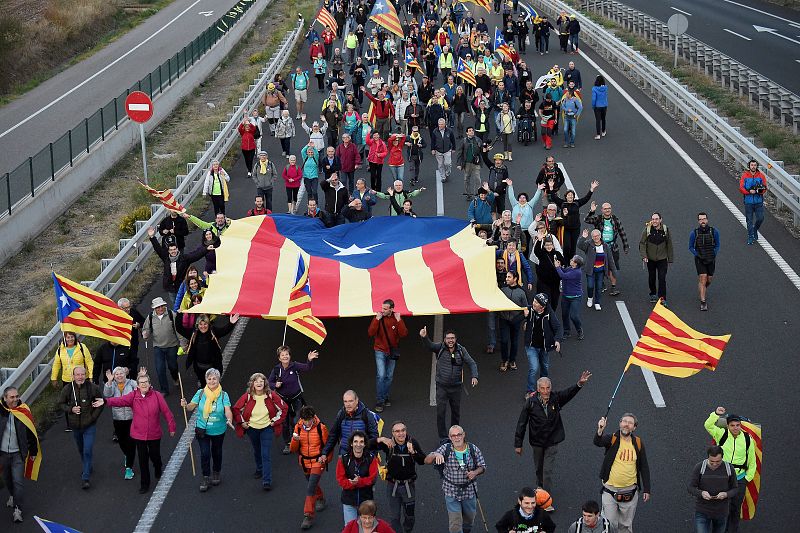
(202, 224)
(734, 449)
(656, 252)
(399, 198)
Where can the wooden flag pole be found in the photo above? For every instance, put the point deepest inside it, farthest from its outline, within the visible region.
(186, 419)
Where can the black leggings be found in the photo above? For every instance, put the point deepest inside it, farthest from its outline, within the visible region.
(219, 203)
(291, 194)
(600, 119)
(375, 172)
(122, 429)
(249, 155)
(320, 81)
(571, 242)
(149, 451)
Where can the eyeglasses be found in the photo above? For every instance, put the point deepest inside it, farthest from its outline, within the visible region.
(456, 434)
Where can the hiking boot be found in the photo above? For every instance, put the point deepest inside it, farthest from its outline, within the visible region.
(285, 451)
(512, 365)
(320, 505)
(653, 298)
(17, 515)
(580, 335)
(307, 522)
(257, 474)
(205, 484)
(129, 473)
(614, 291)
(703, 306)
(215, 479)
(379, 407)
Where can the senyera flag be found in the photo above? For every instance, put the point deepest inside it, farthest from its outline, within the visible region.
(669, 346)
(23, 413)
(326, 19)
(166, 198)
(481, 3)
(428, 266)
(384, 14)
(299, 315)
(753, 487)
(84, 311)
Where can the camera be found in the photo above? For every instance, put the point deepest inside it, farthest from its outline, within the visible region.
(758, 188)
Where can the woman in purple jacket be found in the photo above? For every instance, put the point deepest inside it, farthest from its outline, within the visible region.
(571, 278)
(148, 407)
(285, 380)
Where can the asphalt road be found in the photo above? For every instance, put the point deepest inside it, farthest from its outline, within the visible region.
(45, 113)
(751, 298)
(729, 26)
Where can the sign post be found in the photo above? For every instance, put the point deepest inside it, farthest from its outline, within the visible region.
(677, 24)
(139, 108)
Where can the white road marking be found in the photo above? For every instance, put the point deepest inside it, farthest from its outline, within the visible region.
(98, 73)
(737, 34)
(649, 377)
(759, 11)
(794, 25)
(680, 11)
(729, 205)
(773, 31)
(205, 13)
(164, 485)
(567, 181)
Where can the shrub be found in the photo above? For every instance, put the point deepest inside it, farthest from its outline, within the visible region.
(127, 226)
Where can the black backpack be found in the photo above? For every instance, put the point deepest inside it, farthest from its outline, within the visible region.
(472, 457)
(746, 447)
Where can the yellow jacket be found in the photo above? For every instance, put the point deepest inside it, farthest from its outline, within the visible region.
(64, 364)
(734, 449)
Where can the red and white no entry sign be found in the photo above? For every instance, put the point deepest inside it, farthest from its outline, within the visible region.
(139, 107)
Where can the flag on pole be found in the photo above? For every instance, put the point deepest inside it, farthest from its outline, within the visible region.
(753, 487)
(326, 19)
(412, 62)
(54, 527)
(384, 14)
(23, 413)
(465, 72)
(298, 314)
(669, 346)
(528, 11)
(500, 45)
(166, 198)
(84, 311)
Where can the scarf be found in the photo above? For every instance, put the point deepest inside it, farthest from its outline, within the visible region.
(23, 413)
(211, 397)
(517, 263)
(263, 166)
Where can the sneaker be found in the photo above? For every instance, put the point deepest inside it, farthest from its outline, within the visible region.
(489, 349)
(614, 291)
(67, 430)
(257, 474)
(85, 484)
(387, 403)
(205, 484)
(10, 502)
(503, 366)
(703, 306)
(114, 438)
(567, 334)
(307, 522)
(589, 302)
(512, 365)
(129, 473)
(603, 134)
(297, 117)
(509, 156)
(566, 145)
(379, 407)
(266, 486)
(580, 335)
(596, 137)
(749, 241)
(215, 479)
(653, 298)
(17, 515)
(571, 145)
(286, 451)
(549, 509)
(249, 174)
(320, 505)
(597, 307)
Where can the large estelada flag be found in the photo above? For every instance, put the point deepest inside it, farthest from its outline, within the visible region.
(299, 314)
(463, 71)
(669, 346)
(166, 198)
(23, 413)
(428, 266)
(84, 311)
(753, 487)
(384, 14)
(500, 45)
(54, 527)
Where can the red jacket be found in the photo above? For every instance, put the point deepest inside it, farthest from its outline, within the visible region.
(377, 150)
(381, 108)
(328, 36)
(396, 329)
(748, 175)
(294, 173)
(363, 481)
(248, 141)
(244, 408)
(348, 156)
(382, 527)
(315, 50)
(396, 152)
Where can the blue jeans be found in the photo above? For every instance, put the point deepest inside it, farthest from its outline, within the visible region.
(538, 360)
(261, 439)
(594, 285)
(707, 524)
(398, 172)
(349, 512)
(754, 215)
(509, 339)
(211, 448)
(166, 357)
(84, 439)
(384, 376)
(570, 125)
(572, 42)
(460, 514)
(491, 325)
(348, 178)
(571, 312)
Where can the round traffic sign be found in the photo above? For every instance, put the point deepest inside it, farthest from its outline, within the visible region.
(139, 107)
(678, 24)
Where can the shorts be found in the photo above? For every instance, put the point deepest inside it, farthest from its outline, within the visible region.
(272, 112)
(301, 95)
(703, 267)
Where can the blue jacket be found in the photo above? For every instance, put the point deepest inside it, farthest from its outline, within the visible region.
(572, 105)
(526, 266)
(481, 212)
(600, 96)
(693, 237)
(529, 212)
(310, 168)
(570, 281)
(346, 424)
(367, 204)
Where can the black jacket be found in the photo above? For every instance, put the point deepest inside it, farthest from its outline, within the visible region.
(450, 366)
(400, 465)
(185, 260)
(26, 440)
(335, 199)
(443, 142)
(513, 521)
(544, 424)
(110, 356)
(572, 220)
(352, 466)
(179, 225)
(552, 329)
(643, 470)
(327, 168)
(204, 350)
(354, 215)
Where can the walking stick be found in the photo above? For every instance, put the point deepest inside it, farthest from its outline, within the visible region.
(186, 419)
(480, 508)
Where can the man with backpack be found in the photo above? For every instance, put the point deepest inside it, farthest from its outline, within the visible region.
(541, 415)
(527, 515)
(591, 521)
(468, 159)
(704, 245)
(713, 484)
(387, 328)
(160, 326)
(450, 360)
(403, 453)
(459, 464)
(353, 416)
(624, 472)
(737, 449)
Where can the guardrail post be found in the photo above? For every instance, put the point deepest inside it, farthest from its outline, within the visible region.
(150, 82)
(116, 113)
(52, 164)
(86, 127)
(30, 171)
(169, 72)
(69, 134)
(102, 126)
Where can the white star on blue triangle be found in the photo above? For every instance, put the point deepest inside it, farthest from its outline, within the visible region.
(64, 304)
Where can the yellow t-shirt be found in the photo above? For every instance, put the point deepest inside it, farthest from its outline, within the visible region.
(623, 471)
(259, 418)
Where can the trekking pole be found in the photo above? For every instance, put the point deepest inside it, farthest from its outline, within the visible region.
(480, 508)
(614, 395)
(186, 419)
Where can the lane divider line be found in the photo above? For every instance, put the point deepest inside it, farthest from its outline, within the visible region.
(649, 377)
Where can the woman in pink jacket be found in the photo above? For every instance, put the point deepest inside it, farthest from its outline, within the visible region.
(396, 160)
(148, 407)
(377, 153)
(292, 178)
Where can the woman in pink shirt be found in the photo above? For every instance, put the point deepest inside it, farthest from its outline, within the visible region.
(377, 153)
(292, 178)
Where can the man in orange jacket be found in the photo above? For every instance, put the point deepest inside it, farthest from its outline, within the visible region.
(308, 438)
(388, 328)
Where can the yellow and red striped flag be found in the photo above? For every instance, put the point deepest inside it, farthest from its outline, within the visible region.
(298, 314)
(84, 311)
(23, 413)
(482, 3)
(669, 346)
(166, 198)
(748, 510)
(384, 14)
(326, 19)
